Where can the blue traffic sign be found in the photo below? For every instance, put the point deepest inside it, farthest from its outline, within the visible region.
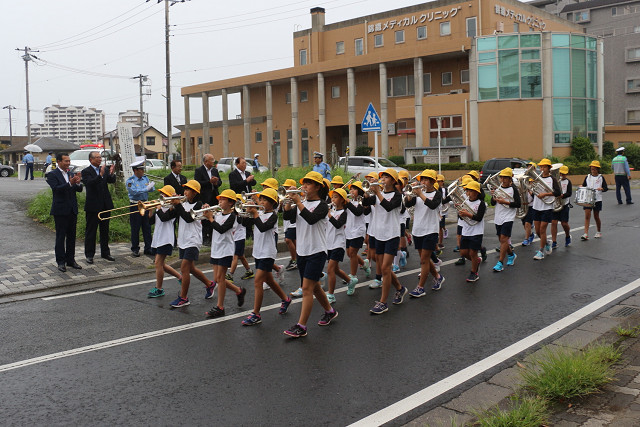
(371, 121)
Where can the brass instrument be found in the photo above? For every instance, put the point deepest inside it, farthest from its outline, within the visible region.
(351, 180)
(166, 200)
(242, 208)
(358, 200)
(494, 186)
(366, 186)
(162, 202)
(540, 187)
(460, 201)
(199, 214)
(246, 195)
(283, 194)
(408, 191)
(415, 178)
(522, 184)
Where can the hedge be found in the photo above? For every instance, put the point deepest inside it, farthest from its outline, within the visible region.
(445, 166)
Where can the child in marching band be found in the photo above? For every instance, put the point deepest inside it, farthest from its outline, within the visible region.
(563, 215)
(505, 213)
(162, 243)
(442, 232)
(543, 211)
(597, 182)
(290, 232)
(222, 250)
(279, 269)
(372, 178)
(239, 238)
(471, 240)
(336, 242)
(355, 233)
(265, 224)
(464, 180)
(400, 259)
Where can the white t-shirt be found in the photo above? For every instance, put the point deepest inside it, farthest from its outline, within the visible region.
(189, 233)
(222, 243)
(310, 238)
(504, 213)
(477, 229)
(239, 232)
(356, 226)
(163, 231)
(538, 204)
(595, 182)
(564, 183)
(264, 243)
(425, 220)
(336, 236)
(385, 225)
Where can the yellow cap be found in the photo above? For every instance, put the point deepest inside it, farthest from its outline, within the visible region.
(229, 194)
(270, 183)
(371, 175)
(436, 186)
(564, 169)
(290, 183)
(403, 174)
(474, 174)
(270, 193)
(312, 176)
(341, 192)
(356, 184)
(595, 164)
(440, 177)
(327, 183)
(506, 172)
(473, 185)
(391, 172)
(239, 197)
(544, 162)
(337, 180)
(429, 173)
(193, 184)
(168, 190)
(466, 179)
(532, 164)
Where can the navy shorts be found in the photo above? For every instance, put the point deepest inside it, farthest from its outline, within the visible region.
(563, 215)
(311, 266)
(504, 229)
(335, 254)
(264, 264)
(403, 227)
(190, 254)
(224, 261)
(471, 242)
(290, 234)
(459, 230)
(164, 249)
(239, 250)
(528, 218)
(443, 223)
(388, 246)
(355, 243)
(597, 207)
(372, 242)
(427, 243)
(543, 216)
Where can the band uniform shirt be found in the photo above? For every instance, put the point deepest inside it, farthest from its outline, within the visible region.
(164, 231)
(538, 204)
(479, 207)
(596, 182)
(426, 217)
(356, 225)
(311, 226)
(222, 243)
(567, 189)
(504, 213)
(335, 229)
(189, 230)
(264, 235)
(239, 231)
(385, 219)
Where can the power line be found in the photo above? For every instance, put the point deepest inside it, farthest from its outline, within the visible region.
(231, 65)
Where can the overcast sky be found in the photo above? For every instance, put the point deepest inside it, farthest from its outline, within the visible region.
(90, 49)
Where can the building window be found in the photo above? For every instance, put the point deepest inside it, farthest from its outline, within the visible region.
(464, 76)
(633, 85)
(304, 140)
(471, 27)
(582, 16)
(636, 29)
(633, 54)
(339, 48)
(288, 98)
(359, 47)
(304, 96)
(289, 147)
(447, 79)
(151, 140)
(276, 147)
(614, 11)
(258, 137)
(516, 27)
(378, 40)
(422, 33)
(450, 131)
(335, 91)
(426, 82)
(633, 116)
(400, 36)
(303, 56)
(445, 28)
(400, 86)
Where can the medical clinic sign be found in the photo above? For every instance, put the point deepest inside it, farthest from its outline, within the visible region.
(408, 21)
(532, 21)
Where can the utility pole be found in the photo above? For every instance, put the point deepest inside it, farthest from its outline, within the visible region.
(141, 79)
(27, 57)
(10, 107)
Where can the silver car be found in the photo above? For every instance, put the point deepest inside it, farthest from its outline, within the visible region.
(367, 164)
(226, 164)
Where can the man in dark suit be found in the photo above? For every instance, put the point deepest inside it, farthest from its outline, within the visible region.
(239, 179)
(175, 179)
(95, 178)
(209, 178)
(64, 209)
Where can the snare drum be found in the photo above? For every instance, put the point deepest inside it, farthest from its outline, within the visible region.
(585, 197)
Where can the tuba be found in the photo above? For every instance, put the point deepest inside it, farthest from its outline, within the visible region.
(494, 186)
(459, 199)
(521, 183)
(539, 186)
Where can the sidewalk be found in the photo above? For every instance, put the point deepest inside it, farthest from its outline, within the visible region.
(618, 405)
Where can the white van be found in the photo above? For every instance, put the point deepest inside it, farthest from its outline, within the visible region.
(367, 164)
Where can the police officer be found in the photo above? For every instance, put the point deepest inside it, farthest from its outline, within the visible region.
(320, 166)
(138, 187)
(622, 174)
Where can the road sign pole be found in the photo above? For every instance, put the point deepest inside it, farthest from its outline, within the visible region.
(375, 144)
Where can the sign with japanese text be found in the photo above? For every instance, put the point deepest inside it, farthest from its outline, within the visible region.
(407, 21)
(125, 145)
(531, 20)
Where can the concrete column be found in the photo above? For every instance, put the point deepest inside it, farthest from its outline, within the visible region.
(225, 124)
(269, 102)
(188, 158)
(600, 91)
(206, 147)
(547, 96)
(472, 120)
(295, 130)
(351, 108)
(419, 93)
(384, 135)
(322, 118)
(246, 118)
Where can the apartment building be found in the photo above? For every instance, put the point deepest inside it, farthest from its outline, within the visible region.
(78, 125)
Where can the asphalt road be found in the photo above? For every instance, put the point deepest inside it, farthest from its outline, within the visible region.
(218, 372)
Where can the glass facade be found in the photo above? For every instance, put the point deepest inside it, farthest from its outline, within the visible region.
(509, 67)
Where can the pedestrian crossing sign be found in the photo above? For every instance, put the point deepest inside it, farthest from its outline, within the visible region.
(371, 121)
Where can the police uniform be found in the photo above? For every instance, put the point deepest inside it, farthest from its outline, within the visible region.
(138, 189)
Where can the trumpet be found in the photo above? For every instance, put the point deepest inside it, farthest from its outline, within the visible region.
(358, 200)
(199, 214)
(351, 180)
(246, 195)
(242, 208)
(414, 178)
(283, 194)
(409, 189)
(166, 200)
(366, 186)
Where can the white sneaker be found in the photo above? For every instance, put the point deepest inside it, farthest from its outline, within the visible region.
(280, 274)
(598, 235)
(366, 264)
(265, 287)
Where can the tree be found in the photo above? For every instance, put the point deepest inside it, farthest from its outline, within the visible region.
(582, 149)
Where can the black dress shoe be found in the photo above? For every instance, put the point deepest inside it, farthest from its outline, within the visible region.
(135, 253)
(62, 268)
(89, 260)
(108, 257)
(629, 203)
(75, 265)
(148, 252)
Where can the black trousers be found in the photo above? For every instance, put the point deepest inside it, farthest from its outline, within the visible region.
(65, 238)
(90, 235)
(137, 222)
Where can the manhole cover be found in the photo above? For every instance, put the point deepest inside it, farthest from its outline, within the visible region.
(581, 297)
(625, 312)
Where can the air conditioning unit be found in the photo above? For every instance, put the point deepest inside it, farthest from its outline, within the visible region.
(500, 27)
(456, 91)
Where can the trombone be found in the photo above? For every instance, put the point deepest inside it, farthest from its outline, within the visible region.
(143, 206)
(351, 180)
(198, 214)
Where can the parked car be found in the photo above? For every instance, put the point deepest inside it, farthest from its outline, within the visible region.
(6, 170)
(155, 164)
(80, 158)
(495, 165)
(226, 164)
(366, 164)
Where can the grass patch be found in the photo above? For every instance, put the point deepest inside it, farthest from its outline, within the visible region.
(526, 411)
(565, 373)
(628, 333)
